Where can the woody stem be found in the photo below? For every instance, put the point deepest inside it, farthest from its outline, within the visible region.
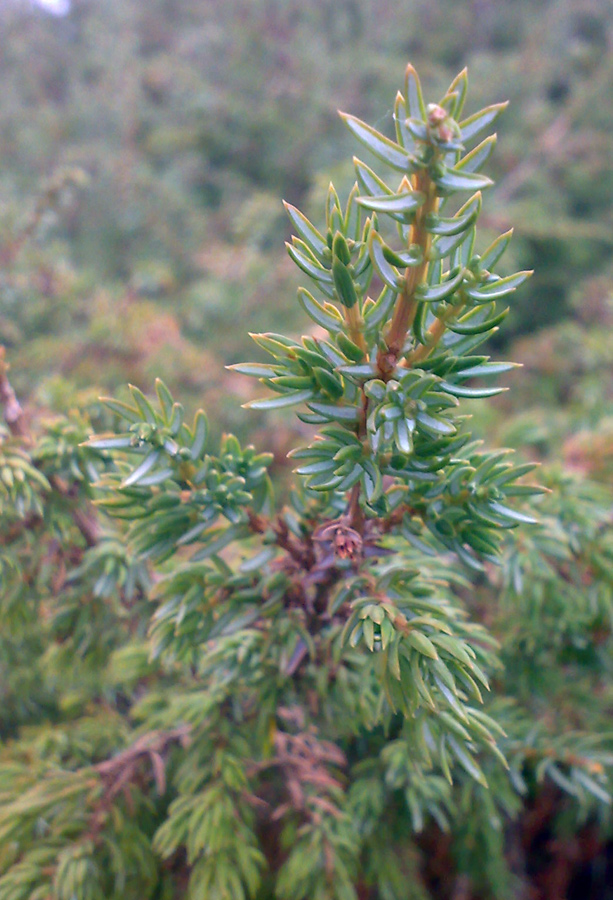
(406, 306)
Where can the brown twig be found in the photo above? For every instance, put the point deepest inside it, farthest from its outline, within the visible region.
(120, 772)
(354, 512)
(299, 550)
(304, 761)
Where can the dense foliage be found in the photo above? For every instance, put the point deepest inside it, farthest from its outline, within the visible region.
(214, 687)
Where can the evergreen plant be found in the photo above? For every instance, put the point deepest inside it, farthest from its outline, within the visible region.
(211, 692)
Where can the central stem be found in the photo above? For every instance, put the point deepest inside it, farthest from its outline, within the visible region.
(406, 307)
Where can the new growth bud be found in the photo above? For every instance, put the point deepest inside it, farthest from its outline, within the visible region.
(441, 127)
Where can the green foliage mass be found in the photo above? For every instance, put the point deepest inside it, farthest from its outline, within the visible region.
(217, 687)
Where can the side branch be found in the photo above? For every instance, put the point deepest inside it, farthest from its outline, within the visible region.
(435, 333)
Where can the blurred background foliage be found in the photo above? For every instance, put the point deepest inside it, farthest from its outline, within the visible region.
(146, 146)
